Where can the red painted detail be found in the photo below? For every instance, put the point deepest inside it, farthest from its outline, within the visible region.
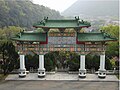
(46, 42)
(46, 39)
(78, 42)
(34, 26)
(85, 26)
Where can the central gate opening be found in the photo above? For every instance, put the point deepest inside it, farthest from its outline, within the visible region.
(61, 61)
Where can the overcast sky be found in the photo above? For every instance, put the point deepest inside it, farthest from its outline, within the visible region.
(59, 5)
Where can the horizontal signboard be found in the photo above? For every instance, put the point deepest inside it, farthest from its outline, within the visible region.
(62, 40)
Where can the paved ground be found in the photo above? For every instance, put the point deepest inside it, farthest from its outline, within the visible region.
(57, 85)
(62, 76)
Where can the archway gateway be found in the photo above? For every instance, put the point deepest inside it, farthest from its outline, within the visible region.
(43, 42)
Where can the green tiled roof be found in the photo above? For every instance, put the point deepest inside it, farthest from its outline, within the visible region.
(94, 37)
(70, 23)
(34, 36)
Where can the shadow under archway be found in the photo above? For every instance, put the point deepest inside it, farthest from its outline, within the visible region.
(92, 62)
(32, 62)
(62, 61)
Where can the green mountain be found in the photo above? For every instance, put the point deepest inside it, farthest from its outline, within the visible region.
(23, 13)
(93, 8)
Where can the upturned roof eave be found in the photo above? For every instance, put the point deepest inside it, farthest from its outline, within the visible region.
(19, 39)
(28, 40)
(95, 40)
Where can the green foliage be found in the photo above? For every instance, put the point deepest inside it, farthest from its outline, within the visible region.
(92, 61)
(49, 62)
(117, 62)
(96, 62)
(9, 56)
(23, 13)
(62, 60)
(8, 32)
(88, 60)
(112, 47)
(112, 61)
(73, 62)
(2, 76)
(31, 61)
(112, 30)
(108, 64)
(74, 65)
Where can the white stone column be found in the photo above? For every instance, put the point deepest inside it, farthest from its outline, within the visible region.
(82, 62)
(22, 62)
(22, 70)
(102, 70)
(102, 62)
(41, 69)
(82, 70)
(41, 61)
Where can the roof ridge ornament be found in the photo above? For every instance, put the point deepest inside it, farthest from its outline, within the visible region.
(77, 18)
(42, 22)
(81, 21)
(105, 34)
(46, 19)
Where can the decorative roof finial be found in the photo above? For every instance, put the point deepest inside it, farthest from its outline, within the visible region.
(77, 18)
(46, 18)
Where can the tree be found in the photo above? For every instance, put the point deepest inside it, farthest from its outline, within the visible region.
(32, 61)
(49, 62)
(112, 47)
(96, 62)
(108, 64)
(23, 13)
(62, 60)
(88, 61)
(92, 61)
(73, 61)
(8, 32)
(10, 60)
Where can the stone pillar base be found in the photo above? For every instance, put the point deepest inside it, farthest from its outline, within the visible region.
(102, 73)
(41, 73)
(82, 73)
(22, 72)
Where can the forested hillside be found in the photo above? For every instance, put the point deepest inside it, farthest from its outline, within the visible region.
(93, 8)
(23, 13)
